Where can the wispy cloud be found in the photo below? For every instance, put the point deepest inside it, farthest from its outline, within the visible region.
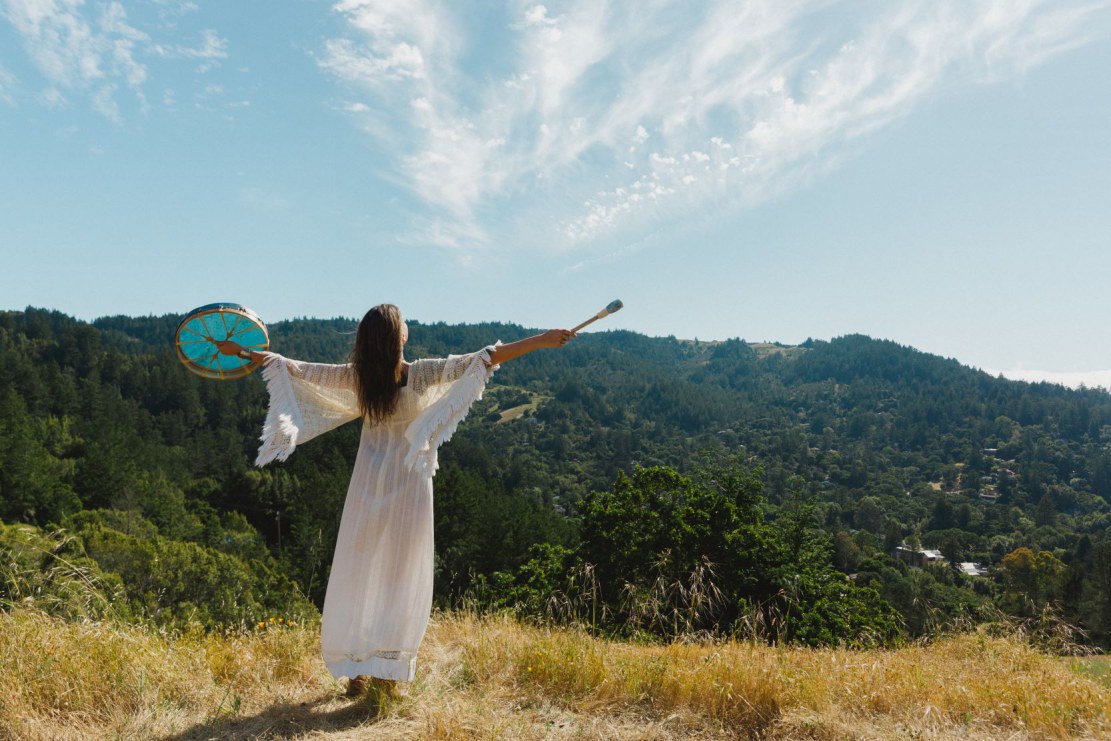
(615, 115)
(7, 84)
(93, 50)
(211, 49)
(81, 49)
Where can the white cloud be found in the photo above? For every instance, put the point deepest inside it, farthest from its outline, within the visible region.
(79, 48)
(104, 103)
(93, 50)
(212, 47)
(446, 233)
(396, 62)
(211, 50)
(537, 15)
(740, 101)
(7, 85)
(53, 98)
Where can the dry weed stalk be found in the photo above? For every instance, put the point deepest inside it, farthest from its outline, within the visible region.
(36, 571)
(678, 609)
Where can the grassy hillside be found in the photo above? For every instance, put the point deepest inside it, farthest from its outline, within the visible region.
(118, 462)
(494, 677)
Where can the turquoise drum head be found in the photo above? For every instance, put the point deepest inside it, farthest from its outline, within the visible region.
(196, 337)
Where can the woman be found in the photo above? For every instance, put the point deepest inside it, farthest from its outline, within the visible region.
(379, 593)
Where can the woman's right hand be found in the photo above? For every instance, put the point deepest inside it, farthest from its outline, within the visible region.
(551, 338)
(557, 337)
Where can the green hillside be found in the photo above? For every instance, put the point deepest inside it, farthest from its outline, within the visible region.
(838, 452)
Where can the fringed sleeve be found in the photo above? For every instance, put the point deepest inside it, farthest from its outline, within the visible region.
(306, 400)
(448, 388)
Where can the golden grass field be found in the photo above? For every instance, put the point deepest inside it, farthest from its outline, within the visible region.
(492, 677)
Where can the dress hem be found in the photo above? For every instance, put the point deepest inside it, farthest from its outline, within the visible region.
(400, 670)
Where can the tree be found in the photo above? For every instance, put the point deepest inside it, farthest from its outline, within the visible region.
(627, 530)
(34, 485)
(1046, 513)
(892, 536)
(846, 553)
(963, 515)
(941, 516)
(951, 548)
(1101, 580)
(1030, 579)
(1100, 472)
(654, 537)
(870, 515)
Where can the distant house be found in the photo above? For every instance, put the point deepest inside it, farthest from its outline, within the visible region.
(989, 495)
(907, 555)
(969, 568)
(918, 557)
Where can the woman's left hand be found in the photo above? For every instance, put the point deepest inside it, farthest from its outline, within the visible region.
(228, 347)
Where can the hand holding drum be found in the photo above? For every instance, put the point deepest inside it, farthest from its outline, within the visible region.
(221, 341)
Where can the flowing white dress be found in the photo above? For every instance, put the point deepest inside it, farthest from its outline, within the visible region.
(379, 593)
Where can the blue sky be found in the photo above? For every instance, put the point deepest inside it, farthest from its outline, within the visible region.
(937, 173)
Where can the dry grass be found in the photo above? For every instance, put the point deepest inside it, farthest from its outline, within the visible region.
(493, 677)
(93, 679)
(517, 412)
(1096, 667)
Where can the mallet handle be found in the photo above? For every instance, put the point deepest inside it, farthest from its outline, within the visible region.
(592, 319)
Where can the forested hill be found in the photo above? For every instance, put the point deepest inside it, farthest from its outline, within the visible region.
(876, 442)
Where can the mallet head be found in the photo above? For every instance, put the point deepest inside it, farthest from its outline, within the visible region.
(612, 307)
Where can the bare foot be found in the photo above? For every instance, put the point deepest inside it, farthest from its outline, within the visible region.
(356, 686)
(381, 689)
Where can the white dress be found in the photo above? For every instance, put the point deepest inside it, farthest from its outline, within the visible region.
(379, 593)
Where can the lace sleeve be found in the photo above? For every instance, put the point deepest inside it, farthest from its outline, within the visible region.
(306, 400)
(339, 377)
(424, 374)
(447, 388)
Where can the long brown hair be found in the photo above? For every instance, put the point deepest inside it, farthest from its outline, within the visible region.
(376, 360)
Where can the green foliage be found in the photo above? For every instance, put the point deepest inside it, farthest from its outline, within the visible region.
(34, 483)
(1031, 580)
(543, 586)
(51, 572)
(863, 444)
(628, 530)
(181, 582)
(671, 555)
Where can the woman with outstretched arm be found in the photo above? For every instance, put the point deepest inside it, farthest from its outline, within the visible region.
(379, 594)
